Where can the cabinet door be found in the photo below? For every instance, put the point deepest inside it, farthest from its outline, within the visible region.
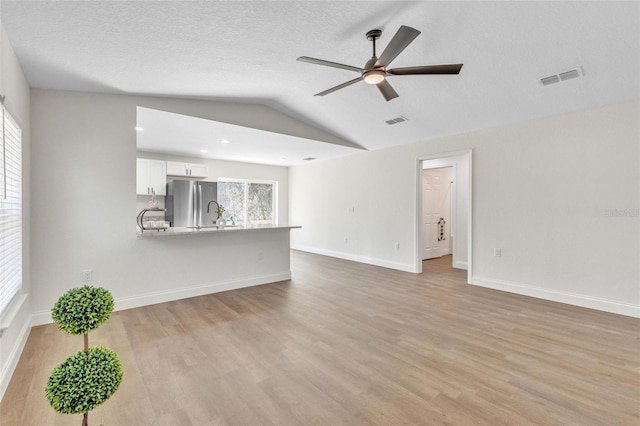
(151, 175)
(198, 170)
(177, 169)
(142, 176)
(158, 177)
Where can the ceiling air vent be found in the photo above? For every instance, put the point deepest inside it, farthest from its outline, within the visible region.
(549, 80)
(569, 75)
(309, 158)
(563, 76)
(397, 120)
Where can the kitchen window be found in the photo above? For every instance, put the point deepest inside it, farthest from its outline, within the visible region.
(10, 210)
(248, 202)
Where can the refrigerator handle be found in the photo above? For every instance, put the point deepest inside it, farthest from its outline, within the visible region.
(200, 204)
(194, 206)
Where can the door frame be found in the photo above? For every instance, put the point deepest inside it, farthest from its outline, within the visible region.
(448, 160)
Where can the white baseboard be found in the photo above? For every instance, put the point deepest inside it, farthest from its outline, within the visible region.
(14, 357)
(458, 264)
(560, 296)
(362, 259)
(136, 301)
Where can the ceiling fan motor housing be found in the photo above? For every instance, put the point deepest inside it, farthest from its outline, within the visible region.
(372, 74)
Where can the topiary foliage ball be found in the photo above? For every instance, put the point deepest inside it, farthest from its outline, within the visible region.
(82, 309)
(84, 380)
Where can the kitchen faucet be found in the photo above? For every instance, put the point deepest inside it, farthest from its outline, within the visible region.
(209, 205)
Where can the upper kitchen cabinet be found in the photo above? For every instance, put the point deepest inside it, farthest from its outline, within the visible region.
(151, 176)
(178, 168)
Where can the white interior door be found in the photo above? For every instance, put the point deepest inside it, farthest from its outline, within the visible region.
(436, 212)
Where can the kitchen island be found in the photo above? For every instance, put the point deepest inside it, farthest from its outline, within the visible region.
(190, 262)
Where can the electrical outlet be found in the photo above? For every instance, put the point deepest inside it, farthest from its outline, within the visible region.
(346, 239)
(87, 276)
(497, 252)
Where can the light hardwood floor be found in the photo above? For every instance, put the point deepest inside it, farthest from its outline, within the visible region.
(344, 343)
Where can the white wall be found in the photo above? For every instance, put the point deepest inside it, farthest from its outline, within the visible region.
(84, 204)
(14, 86)
(543, 191)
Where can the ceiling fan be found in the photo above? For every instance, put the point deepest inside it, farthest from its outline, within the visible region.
(375, 70)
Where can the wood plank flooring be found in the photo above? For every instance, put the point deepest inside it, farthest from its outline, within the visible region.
(344, 343)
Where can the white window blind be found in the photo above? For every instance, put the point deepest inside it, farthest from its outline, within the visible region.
(10, 210)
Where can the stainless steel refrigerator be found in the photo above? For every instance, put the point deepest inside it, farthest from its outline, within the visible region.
(191, 203)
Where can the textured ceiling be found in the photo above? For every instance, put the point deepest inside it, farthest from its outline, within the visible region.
(246, 51)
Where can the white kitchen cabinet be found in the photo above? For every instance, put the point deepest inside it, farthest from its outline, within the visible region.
(151, 176)
(178, 168)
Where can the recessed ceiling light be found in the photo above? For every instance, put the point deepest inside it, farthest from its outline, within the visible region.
(203, 150)
(225, 142)
(139, 129)
(282, 158)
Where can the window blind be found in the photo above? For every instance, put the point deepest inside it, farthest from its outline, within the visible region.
(10, 210)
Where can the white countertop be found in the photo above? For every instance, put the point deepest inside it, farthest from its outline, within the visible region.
(152, 233)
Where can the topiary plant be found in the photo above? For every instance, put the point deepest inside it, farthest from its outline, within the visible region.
(88, 378)
(82, 309)
(84, 380)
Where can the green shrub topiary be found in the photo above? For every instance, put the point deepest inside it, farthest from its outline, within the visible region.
(84, 380)
(87, 379)
(82, 309)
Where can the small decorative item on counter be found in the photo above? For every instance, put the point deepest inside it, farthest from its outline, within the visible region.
(155, 223)
(221, 222)
(220, 211)
(153, 203)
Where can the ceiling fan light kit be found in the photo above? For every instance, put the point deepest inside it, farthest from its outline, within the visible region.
(374, 76)
(375, 71)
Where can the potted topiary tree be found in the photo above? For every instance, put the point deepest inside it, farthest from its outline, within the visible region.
(89, 377)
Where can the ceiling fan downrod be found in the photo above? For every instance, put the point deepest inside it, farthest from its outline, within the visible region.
(373, 35)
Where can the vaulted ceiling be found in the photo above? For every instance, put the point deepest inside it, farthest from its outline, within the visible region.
(245, 51)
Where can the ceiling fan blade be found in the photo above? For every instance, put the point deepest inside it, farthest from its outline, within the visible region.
(427, 69)
(340, 86)
(398, 43)
(387, 91)
(329, 64)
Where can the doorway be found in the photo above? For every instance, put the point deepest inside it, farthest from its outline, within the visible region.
(444, 179)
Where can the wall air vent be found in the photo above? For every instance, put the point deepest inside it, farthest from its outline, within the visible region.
(309, 158)
(563, 76)
(397, 120)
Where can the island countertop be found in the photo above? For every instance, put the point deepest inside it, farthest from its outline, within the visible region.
(173, 231)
